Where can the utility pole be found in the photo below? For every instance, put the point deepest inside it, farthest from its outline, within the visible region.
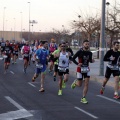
(102, 38)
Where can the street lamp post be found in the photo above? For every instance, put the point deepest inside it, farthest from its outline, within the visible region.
(14, 27)
(29, 23)
(3, 20)
(102, 38)
(79, 31)
(21, 25)
(107, 3)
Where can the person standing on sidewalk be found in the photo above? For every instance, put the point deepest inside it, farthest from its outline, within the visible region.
(113, 58)
(83, 71)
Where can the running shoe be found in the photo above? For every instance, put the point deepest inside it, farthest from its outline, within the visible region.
(54, 78)
(33, 79)
(73, 85)
(63, 84)
(41, 89)
(60, 92)
(116, 97)
(24, 70)
(83, 100)
(102, 90)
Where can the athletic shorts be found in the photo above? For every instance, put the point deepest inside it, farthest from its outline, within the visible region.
(7, 60)
(81, 76)
(38, 70)
(26, 58)
(55, 68)
(63, 73)
(109, 72)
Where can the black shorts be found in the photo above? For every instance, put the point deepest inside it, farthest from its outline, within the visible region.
(7, 60)
(55, 68)
(26, 58)
(62, 73)
(109, 72)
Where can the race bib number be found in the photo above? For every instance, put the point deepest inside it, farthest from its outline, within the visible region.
(114, 67)
(84, 69)
(62, 69)
(26, 55)
(40, 66)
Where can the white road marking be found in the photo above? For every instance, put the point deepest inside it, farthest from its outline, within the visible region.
(14, 103)
(108, 99)
(31, 84)
(12, 72)
(13, 115)
(21, 113)
(87, 113)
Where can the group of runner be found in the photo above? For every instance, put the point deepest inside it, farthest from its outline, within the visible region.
(59, 58)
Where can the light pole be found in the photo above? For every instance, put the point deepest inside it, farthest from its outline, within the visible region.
(21, 25)
(14, 27)
(63, 31)
(29, 23)
(102, 38)
(6, 30)
(3, 20)
(79, 31)
(107, 4)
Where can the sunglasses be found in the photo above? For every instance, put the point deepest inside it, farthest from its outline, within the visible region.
(62, 46)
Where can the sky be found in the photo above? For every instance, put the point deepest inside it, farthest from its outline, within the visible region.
(49, 14)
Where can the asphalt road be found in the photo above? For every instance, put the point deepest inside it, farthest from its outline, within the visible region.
(20, 99)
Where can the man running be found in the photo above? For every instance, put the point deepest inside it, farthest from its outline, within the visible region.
(83, 71)
(56, 61)
(26, 51)
(63, 67)
(41, 56)
(113, 58)
(52, 47)
(7, 51)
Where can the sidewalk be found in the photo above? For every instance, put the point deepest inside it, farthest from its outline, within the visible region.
(94, 69)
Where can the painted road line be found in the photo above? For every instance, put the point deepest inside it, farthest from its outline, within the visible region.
(14, 103)
(87, 113)
(12, 72)
(108, 99)
(31, 84)
(21, 113)
(13, 115)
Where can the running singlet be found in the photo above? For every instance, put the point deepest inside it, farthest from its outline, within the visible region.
(42, 55)
(63, 61)
(52, 48)
(7, 50)
(113, 64)
(84, 57)
(26, 51)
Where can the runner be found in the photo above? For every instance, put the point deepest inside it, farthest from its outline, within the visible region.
(113, 58)
(2, 44)
(56, 61)
(26, 51)
(41, 57)
(63, 67)
(83, 71)
(15, 52)
(7, 51)
(35, 47)
(52, 48)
